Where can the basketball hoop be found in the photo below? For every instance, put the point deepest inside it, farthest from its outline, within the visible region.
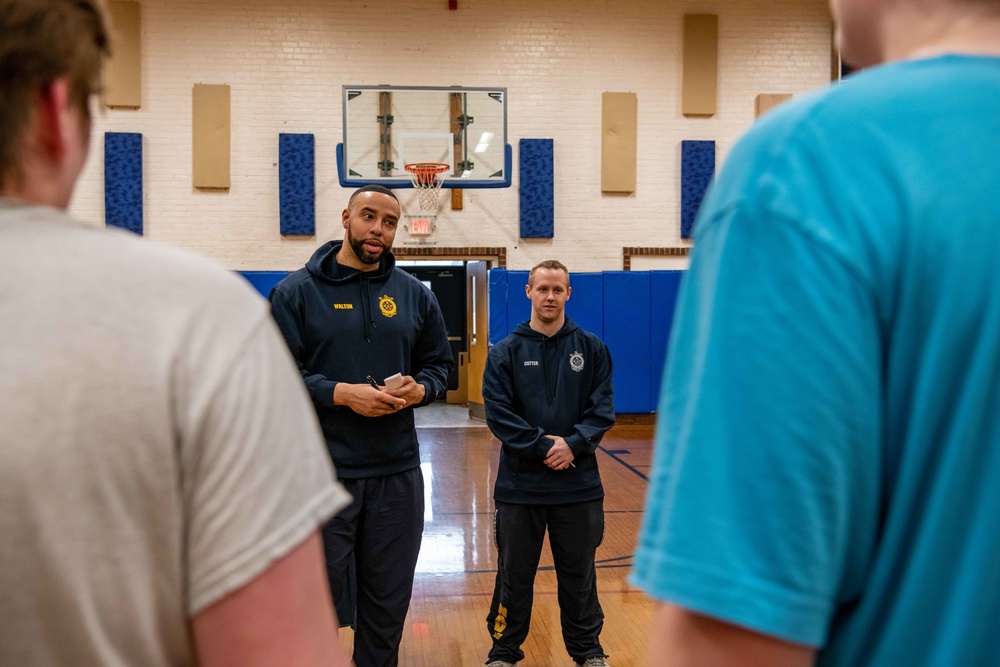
(427, 179)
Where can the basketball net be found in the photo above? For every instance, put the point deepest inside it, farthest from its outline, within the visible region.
(427, 178)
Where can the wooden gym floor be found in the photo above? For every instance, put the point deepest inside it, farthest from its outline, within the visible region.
(446, 626)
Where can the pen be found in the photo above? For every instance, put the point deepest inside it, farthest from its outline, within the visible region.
(372, 382)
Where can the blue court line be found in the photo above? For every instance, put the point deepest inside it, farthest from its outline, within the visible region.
(541, 568)
(600, 564)
(611, 560)
(613, 453)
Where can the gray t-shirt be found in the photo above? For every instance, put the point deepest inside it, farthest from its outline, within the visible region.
(157, 447)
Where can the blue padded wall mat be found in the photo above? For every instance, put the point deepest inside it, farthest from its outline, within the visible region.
(509, 305)
(537, 188)
(297, 184)
(498, 305)
(518, 303)
(697, 170)
(586, 302)
(123, 180)
(664, 287)
(627, 335)
(263, 281)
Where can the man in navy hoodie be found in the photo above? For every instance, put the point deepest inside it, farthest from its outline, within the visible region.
(548, 397)
(350, 314)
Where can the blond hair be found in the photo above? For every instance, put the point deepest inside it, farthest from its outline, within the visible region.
(553, 264)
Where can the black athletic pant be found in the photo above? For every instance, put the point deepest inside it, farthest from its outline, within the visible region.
(575, 532)
(380, 531)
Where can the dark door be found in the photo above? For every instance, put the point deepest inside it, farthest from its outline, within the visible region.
(448, 285)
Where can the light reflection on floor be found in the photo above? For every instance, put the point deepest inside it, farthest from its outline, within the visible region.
(448, 545)
(456, 570)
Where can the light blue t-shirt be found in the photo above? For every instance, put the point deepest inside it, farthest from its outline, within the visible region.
(827, 464)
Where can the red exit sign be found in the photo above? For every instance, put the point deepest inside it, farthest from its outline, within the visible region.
(420, 227)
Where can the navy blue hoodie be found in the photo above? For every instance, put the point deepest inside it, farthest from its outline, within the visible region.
(559, 385)
(341, 325)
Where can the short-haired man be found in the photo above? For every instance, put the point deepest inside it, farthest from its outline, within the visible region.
(162, 476)
(348, 316)
(548, 397)
(826, 484)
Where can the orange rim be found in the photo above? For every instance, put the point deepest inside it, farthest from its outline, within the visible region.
(432, 168)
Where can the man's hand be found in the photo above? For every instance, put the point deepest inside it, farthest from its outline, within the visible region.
(366, 400)
(560, 456)
(411, 391)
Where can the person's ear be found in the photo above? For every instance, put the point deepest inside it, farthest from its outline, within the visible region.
(346, 216)
(52, 116)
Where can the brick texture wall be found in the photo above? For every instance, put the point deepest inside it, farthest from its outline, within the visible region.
(286, 62)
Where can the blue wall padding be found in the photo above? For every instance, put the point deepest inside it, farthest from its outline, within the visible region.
(537, 189)
(518, 303)
(664, 286)
(509, 305)
(123, 180)
(627, 335)
(586, 302)
(263, 281)
(498, 305)
(632, 311)
(697, 170)
(297, 184)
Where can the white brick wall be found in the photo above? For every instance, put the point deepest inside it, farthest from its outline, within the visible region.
(286, 62)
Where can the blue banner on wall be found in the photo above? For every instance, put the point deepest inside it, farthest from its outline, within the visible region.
(537, 188)
(123, 180)
(697, 170)
(297, 184)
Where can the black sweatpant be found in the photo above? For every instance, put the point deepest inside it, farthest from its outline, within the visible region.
(575, 532)
(380, 533)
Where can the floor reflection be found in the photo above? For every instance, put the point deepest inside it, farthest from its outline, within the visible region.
(457, 565)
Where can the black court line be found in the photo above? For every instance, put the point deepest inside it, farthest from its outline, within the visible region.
(639, 511)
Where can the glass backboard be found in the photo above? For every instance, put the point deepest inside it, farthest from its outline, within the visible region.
(388, 127)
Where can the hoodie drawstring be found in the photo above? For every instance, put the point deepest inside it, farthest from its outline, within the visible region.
(366, 306)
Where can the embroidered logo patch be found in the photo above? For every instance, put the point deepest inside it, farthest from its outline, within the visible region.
(387, 306)
(576, 361)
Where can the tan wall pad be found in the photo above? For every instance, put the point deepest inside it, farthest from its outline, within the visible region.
(123, 70)
(701, 65)
(619, 132)
(211, 136)
(767, 101)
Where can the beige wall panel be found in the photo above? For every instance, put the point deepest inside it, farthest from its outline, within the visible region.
(211, 136)
(767, 101)
(285, 63)
(699, 96)
(123, 70)
(619, 133)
